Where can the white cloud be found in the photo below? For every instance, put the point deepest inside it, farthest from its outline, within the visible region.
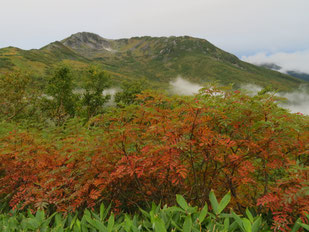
(295, 61)
(181, 86)
(297, 101)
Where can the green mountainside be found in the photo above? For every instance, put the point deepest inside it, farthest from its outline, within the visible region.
(158, 59)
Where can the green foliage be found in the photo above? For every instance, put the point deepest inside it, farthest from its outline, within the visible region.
(219, 207)
(93, 99)
(60, 102)
(190, 219)
(18, 96)
(129, 92)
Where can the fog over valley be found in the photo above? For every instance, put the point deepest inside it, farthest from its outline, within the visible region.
(296, 101)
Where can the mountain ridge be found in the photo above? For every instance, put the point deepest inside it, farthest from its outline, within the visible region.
(159, 59)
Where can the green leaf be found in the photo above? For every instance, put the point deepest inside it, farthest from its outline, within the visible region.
(159, 225)
(73, 221)
(95, 224)
(247, 225)
(239, 221)
(249, 215)
(146, 214)
(203, 214)
(78, 225)
(175, 225)
(187, 225)
(256, 224)
(40, 215)
(105, 213)
(305, 226)
(181, 202)
(174, 209)
(102, 209)
(224, 202)
(226, 224)
(110, 223)
(127, 223)
(30, 223)
(213, 201)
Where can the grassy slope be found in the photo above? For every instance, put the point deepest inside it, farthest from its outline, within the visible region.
(37, 60)
(158, 59)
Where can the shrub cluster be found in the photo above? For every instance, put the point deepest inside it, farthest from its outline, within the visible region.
(162, 146)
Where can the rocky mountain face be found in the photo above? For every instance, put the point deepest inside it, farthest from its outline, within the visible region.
(92, 45)
(87, 43)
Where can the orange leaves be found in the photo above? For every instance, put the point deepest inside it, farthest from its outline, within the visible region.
(94, 194)
(288, 200)
(182, 172)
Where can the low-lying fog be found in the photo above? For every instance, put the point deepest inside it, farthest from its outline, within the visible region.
(297, 101)
(183, 87)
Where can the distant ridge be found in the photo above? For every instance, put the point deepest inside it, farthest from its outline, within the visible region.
(293, 73)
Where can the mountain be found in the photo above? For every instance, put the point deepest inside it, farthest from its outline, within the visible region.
(293, 73)
(300, 75)
(159, 59)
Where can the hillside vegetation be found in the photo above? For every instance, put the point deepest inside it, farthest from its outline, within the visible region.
(66, 151)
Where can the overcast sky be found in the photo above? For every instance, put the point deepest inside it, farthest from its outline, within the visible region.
(242, 27)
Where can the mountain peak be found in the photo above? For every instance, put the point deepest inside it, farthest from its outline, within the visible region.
(86, 40)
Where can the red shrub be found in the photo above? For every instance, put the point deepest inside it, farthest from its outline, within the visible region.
(222, 141)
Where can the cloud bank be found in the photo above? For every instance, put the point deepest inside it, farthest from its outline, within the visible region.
(296, 61)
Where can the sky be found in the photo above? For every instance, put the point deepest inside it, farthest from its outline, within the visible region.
(242, 27)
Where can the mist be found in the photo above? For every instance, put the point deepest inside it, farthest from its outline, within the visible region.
(251, 89)
(181, 86)
(296, 101)
(112, 92)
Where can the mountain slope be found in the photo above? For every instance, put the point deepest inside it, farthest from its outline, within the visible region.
(36, 61)
(159, 59)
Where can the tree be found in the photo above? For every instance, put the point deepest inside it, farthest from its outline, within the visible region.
(129, 92)
(93, 98)
(60, 101)
(17, 95)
